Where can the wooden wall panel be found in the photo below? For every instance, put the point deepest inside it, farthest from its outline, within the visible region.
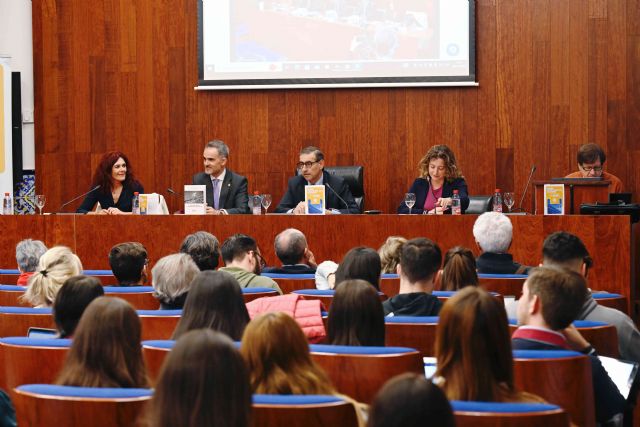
(119, 74)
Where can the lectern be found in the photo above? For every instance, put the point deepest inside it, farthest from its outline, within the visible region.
(576, 192)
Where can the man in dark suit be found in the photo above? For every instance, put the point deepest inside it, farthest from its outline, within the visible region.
(338, 197)
(226, 190)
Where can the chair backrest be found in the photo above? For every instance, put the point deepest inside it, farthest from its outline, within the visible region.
(490, 414)
(617, 301)
(10, 296)
(326, 295)
(413, 332)
(154, 353)
(359, 372)
(40, 405)
(29, 360)
(293, 282)
(158, 324)
(16, 321)
(602, 336)
(140, 297)
(249, 294)
(353, 176)
(390, 285)
(560, 377)
(478, 205)
(302, 411)
(504, 284)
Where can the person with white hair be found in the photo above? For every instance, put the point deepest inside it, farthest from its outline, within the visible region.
(493, 233)
(28, 253)
(171, 279)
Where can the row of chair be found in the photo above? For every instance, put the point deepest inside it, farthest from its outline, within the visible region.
(72, 406)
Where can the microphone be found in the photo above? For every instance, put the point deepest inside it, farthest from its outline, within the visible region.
(175, 193)
(338, 196)
(526, 188)
(76, 198)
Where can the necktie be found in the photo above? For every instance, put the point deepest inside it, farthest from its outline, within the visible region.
(216, 194)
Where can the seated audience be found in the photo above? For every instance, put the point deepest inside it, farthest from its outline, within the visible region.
(360, 263)
(214, 302)
(74, 297)
(356, 316)
(28, 253)
(277, 355)
(493, 233)
(473, 350)
(458, 270)
(410, 400)
(54, 267)
(563, 249)
(171, 279)
(420, 261)
(390, 253)
(203, 382)
(326, 275)
(243, 261)
(551, 299)
(204, 248)
(591, 160)
(128, 263)
(106, 350)
(293, 252)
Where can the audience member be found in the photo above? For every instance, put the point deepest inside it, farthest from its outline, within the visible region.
(294, 253)
(410, 400)
(171, 280)
(493, 233)
(204, 249)
(458, 270)
(420, 261)
(74, 297)
(566, 250)
(106, 350)
(203, 382)
(356, 316)
(28, 253)
(591, 160)
(551, 299)
(326, 275)
(214, 302)
(54, 267)
(390, 253)
(128, 263)
(473, 350)
(243, 261)
(277, 354)
(360, 263)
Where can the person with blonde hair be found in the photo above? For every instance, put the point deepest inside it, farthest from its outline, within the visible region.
(54, 267)
(106, 350)
(390, 253)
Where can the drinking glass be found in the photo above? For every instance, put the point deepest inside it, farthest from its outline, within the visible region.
(40, 201)
(509, 200)
(410, 200)
(266, 202)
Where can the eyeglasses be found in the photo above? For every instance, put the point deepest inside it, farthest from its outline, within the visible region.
(302, 165)
(591, 168)
(260, 259)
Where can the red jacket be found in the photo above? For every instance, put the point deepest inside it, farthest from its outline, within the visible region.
(306, 312)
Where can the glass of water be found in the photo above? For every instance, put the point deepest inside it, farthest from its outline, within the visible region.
(509, 200)
(410, 200)
(40, 201)
(266, 202)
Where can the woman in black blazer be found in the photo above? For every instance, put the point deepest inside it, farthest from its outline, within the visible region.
(439, 177)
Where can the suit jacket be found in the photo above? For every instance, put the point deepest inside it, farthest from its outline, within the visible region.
(106, 199)
(295, 194)
(420, 187)
(233, 193)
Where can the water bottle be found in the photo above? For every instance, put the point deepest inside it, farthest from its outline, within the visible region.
(456, 204)
(256, 203)
(7, 204)
(135, 204)
(497, 201)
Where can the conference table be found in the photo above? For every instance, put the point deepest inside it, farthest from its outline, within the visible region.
(612, 241)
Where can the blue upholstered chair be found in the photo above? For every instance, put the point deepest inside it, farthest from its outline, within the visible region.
(490, 414)
(417, 332)
(271, 410)
(31, 360)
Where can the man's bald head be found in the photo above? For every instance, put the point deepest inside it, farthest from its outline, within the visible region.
(290, 246)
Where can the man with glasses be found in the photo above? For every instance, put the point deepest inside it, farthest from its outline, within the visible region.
(338, 197)
(243, 261)
(591, 160)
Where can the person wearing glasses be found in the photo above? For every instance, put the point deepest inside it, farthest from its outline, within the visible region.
(591, 160)
(242, 259)
(338, 197)
(226, 190)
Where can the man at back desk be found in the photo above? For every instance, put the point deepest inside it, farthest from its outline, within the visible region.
(591, 160)
(338, 197)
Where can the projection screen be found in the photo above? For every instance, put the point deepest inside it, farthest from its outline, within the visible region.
(258, 44)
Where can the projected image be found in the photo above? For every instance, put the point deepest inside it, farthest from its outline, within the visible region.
(334, 39)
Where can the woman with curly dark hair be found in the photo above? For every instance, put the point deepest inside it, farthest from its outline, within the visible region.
(116, 182)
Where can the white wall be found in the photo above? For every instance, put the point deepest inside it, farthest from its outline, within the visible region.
(16, 41)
